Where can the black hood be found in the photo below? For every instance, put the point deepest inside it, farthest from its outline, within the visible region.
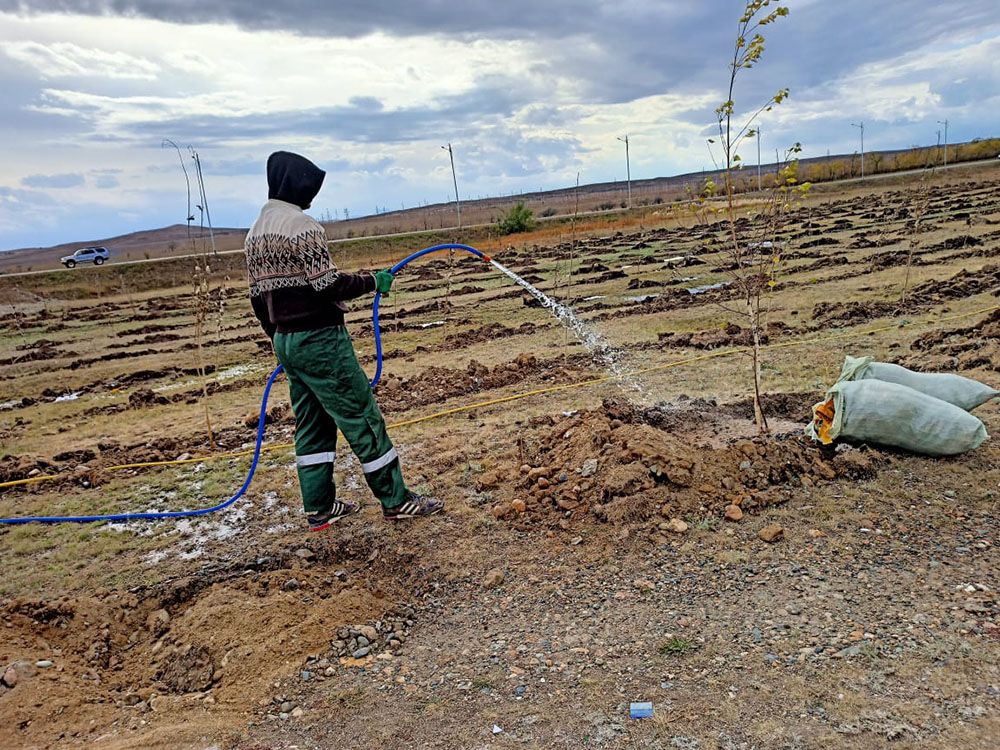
(293, 178)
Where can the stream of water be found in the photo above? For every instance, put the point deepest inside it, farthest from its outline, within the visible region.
(605, 355)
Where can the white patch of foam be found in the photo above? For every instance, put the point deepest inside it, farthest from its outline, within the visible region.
(236, 371)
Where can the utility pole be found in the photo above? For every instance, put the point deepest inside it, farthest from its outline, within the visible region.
(945, 123)
(758, 161)
(628, 170)
(862, 126)
(938, 150)
(576, 197)
(454, 178)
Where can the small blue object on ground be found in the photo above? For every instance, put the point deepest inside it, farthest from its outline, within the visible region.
(640, 710)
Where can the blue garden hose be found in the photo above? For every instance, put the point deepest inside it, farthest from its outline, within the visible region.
(160, 516)
(396, 269)
(175, 513)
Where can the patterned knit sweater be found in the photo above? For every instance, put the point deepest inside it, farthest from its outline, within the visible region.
(293, 284)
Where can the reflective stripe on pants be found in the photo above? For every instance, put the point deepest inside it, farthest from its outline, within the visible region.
(311, 459)
(381, 461)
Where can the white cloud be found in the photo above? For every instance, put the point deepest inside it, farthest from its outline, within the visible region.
(95, 93)
(66, 59)
(913, 87)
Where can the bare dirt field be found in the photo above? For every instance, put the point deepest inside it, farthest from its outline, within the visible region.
(586, 559)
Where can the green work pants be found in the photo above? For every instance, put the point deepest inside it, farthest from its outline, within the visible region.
(329, 390)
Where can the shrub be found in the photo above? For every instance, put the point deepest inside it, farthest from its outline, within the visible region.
(518, 219)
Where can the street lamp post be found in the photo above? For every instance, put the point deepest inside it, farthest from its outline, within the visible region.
(758, 160)
(454, 178)
(862, 126)
(628, 170)
(945, 123)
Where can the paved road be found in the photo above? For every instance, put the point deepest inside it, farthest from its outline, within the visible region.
(868, 179)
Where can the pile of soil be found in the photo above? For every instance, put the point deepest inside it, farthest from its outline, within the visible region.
(436, 384)
(921, 297)
(844, 314)
(891, 258)
(827, 262)
(958, 242)
(961, 285)
(731, 335)
(223, 636)
(625, 466)
(13, 468)
(38, 351)
(968, 348)
(153, 338)
(146, 397)
(490, 332)
(819, 242)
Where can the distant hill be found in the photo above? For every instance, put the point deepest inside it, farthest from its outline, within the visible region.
(602, 196)
(607, 196)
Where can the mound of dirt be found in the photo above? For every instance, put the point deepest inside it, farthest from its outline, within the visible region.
(38, 351)
(607, 276)
(852, 313)
(819, 242)
(76, 457)
(958, 242)
(186, 668)
(623, 465)
(229, 633)
(153, 338)
(731, 335)
(146, 397)
(13, 468)
(968, 348)
(490, 332)
(436, 384)
(921, 297)
(594, 267)
(796, 407)
(891, 258)
(963, 284)
(644, 284)
(827, 262)
(76, 364)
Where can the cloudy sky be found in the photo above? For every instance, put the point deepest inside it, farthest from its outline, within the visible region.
(528, 92)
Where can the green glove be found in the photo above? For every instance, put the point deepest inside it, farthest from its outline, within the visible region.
(383, 281)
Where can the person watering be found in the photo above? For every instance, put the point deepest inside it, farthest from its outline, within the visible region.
(298, 296)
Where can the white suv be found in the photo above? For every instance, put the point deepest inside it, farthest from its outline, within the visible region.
(95, 255)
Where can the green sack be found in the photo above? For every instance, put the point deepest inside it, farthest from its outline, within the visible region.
(964, 393)
(874, 411)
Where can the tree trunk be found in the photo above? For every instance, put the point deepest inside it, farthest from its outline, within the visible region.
(758, 406)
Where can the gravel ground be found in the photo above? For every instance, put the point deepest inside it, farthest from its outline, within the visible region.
(868, 622)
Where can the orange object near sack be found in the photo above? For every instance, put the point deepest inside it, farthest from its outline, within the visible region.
(823, 415)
